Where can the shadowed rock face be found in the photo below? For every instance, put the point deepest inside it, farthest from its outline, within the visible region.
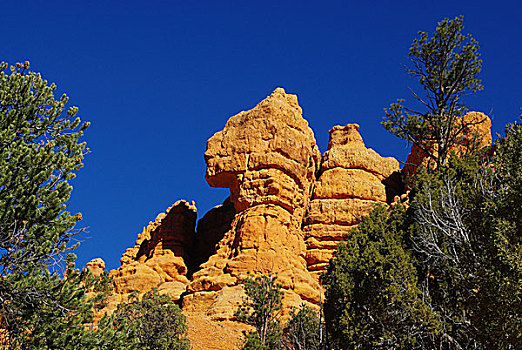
(210, 231)
(159, 256)
(351, 182)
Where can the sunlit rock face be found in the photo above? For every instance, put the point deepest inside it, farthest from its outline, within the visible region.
(96, 266)
(268, 158)
(351, 181)
(476, 136)
(267, 155)
(288, 209)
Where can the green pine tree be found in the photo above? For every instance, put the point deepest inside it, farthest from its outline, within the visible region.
(446, 65)
(43, 300)
(498, 306)
(372, 300)
(40, 153)
(262, 309)
(469, 239)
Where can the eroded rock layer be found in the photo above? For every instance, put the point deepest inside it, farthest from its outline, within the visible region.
(287, 211)
(159, 257)
(267, 157)
(352, 180)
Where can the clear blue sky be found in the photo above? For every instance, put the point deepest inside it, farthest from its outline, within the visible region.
(157, 78)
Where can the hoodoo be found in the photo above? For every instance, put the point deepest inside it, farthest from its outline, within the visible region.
(268, 158)
(288, 209)
(352, 180)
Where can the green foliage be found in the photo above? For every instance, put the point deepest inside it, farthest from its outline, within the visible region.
(262, 309)
(101, 286)
(372, 298)
(467, 237)
(62, 320)
(508, 169)
(445, 208)
(446, 273)
(303, 331)
(40, 153)
(498, 306)
(155, 322)
(253, 342)
(446, 65)
(466, 222)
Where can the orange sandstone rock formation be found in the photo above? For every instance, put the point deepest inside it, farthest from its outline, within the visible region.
(351, 182)
(287, 210)
(158, 257)
(268, 158)
(476, 136)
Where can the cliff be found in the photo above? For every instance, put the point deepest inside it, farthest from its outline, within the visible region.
(288, 209)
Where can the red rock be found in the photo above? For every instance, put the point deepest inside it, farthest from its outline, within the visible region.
(287, 211)
(475, 137)
(267, 157)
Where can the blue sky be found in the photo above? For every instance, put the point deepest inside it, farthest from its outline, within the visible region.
(157, 78)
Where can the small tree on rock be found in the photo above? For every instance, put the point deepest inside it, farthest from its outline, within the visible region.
(153, 323)
(303, 330)
(446, 65)
(262, 309)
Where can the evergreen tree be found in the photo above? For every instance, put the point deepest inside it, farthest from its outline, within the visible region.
(43, 299)
(40, 153)
(304, 330)
(446, 65)
(456, 254)
(153, 323)
(67, 323)
(372, 298)
(262, 310)
(498, 307)
(449, 243)
(469, 239)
